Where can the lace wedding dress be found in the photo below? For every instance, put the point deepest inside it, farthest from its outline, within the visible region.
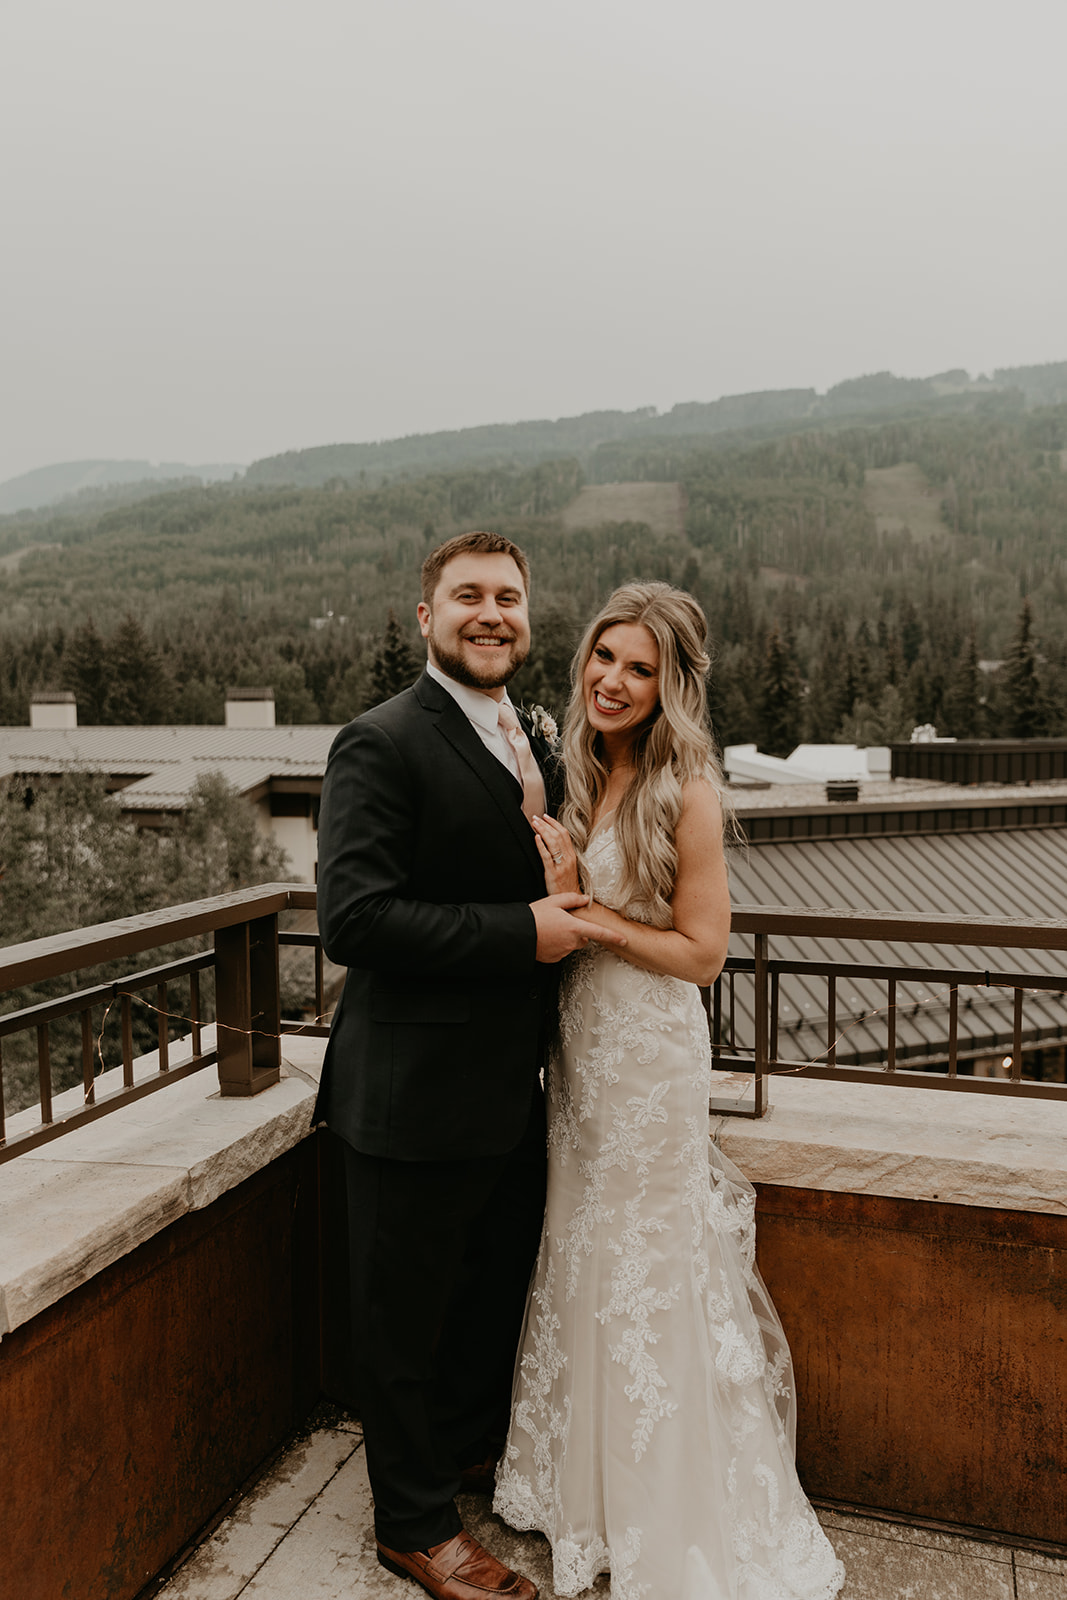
(653, 1415)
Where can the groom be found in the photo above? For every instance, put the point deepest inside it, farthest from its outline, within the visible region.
(431, 892)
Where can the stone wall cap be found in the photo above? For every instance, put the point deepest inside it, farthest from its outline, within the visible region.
(910, 1144)
(72, 1207)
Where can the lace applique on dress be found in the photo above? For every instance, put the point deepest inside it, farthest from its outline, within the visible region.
(653, 1416)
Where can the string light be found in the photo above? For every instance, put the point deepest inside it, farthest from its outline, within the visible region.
(177, 1016)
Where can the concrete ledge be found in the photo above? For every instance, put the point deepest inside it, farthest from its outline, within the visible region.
(72, 1207)
(909, 1144)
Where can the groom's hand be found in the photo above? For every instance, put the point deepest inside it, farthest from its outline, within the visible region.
(559, 932)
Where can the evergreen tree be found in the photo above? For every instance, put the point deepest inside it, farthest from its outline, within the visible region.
(921, 692)
(87, 671)
(780, 690)
(734, 719)
(911, 633)
(1023, 688)
(140, 689)
(395, 665)
(962, 709)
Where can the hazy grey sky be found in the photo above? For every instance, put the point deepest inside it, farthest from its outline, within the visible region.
(231, 227)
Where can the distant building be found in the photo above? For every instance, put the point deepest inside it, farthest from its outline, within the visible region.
(152, 770)
(911, 847)
(808, 763)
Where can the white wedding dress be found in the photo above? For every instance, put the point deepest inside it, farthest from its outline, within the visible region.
(653, 1416)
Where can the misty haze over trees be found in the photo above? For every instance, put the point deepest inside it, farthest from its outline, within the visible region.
(866, 560)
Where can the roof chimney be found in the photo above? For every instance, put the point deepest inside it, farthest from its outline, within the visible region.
(53, 708)
(250, 708)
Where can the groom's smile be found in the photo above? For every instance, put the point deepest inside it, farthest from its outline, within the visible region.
(477, 626)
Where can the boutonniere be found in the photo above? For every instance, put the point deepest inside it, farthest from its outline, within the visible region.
(542, 724)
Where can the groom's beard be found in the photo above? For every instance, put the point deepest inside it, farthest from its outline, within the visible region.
(463, 670)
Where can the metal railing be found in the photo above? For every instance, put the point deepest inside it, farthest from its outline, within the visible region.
(870, 1038)
(247, 1022)
(903, 1023)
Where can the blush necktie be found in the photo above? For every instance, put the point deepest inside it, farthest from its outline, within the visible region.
(533, 787)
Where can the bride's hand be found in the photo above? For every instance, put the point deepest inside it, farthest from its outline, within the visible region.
(556, 850)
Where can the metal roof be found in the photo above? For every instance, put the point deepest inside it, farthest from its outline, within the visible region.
(1013, 874)
(165, 762)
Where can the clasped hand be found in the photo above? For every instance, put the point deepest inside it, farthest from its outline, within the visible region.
(559, 930)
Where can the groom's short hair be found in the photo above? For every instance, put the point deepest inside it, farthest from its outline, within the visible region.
(482, 544)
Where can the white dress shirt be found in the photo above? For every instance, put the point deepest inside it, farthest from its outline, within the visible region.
(481, 712)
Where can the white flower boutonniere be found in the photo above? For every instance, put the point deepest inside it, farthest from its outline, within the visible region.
(543, 725)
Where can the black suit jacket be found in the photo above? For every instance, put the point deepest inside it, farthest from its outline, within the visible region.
(427, 866)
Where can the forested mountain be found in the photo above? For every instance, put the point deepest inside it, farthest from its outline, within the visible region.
(72, 486)
(45, 485)
(859, 578)
(743, 416)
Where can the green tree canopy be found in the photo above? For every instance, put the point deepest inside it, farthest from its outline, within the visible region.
(395, 666)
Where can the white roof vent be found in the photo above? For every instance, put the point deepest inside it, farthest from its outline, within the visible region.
(53, 708)
(250, 708)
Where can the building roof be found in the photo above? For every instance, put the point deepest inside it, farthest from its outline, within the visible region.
(750, 797)
(1005, 873)
(158, 766)
(902, 806)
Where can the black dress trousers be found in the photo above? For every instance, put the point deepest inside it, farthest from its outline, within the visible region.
(441, 1256)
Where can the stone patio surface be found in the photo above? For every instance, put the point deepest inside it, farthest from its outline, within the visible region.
(304, 1532)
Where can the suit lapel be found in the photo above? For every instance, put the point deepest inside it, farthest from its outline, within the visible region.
(451, 723)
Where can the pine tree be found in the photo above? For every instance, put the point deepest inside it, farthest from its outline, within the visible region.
(87, 671)
(961, 706)
(395, 665)
(140, 687)
(1024, 689)
(779, 698)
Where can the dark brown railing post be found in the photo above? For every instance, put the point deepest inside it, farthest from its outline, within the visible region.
(761, 1009)
(248, 1006)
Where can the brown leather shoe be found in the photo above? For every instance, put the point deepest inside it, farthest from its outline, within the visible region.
(458, 1570)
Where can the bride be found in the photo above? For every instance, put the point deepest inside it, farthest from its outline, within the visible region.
(653, 1416)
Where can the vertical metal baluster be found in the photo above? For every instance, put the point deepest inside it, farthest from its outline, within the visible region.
(1017, 1039)
(320, 987)
(733, 1010)
(953, 1026)
(891, 1012)
(127, 1042)
(762, 1039)
(44, 1071)
(774, 1016)
(88, 1078)
(716, 1019)
(831, 1022)
(161, 1027)
(3, 1135)
(194, 1009)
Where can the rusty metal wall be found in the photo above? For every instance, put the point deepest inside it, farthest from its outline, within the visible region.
(930, 1344)
(133, 1409)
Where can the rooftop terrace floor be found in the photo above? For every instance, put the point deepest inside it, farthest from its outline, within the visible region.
(304, 1532)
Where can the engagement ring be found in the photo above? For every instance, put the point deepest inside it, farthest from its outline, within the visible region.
(558, 859)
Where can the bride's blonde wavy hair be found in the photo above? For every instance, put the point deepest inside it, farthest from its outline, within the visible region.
(671, 751)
